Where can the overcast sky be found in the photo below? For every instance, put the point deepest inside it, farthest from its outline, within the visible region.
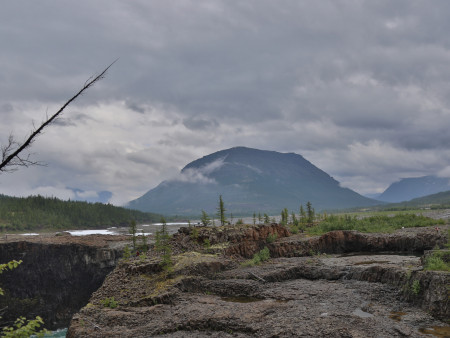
(359, 88)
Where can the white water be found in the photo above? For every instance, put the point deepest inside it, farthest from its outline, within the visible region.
(173, 227)
(56, 334)
(91, 232)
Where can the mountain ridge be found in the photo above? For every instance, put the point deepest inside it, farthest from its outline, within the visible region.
(414, 187)
(250, 180)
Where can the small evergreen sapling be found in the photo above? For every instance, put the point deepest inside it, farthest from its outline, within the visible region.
(133, 230)
(162, 246)
(221, 211)
(205, 219)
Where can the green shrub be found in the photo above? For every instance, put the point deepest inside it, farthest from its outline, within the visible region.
(207, 244)
(379, 223)
(259, 257)
(109, 302)
(194, 233)
(415, 287)
(271, 238)
(126, 252)
(25, 328)
(436, 263)
(142, 257)
(263, 255)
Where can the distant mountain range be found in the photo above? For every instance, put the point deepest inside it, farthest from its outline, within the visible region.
(249, 180)
(409, 188)
(441, 199)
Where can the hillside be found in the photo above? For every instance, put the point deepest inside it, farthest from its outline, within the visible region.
(409, 188)
(439, 200)
(37, 213)
(249, 180)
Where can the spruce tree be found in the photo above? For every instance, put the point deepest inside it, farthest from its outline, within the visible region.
(205, 219)
(132, 230)
(221, 211)
(144, 245)
(302, 214)
(284, 216)
(162, 245)
(310, 212)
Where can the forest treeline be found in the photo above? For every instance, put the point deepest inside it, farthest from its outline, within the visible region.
(38, 213)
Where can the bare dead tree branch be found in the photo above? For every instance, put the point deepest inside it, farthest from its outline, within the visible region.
(11, 152)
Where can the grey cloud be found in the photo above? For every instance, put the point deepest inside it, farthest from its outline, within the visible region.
(63, 122)
(6, 108)
(200, 124)
(317, 78)
(200, 175)
(135, 107)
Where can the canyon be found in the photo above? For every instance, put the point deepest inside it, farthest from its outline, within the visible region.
(57, 276)
(341, 284)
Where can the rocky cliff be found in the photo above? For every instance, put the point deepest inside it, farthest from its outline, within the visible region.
(208, 292)
(56, 278)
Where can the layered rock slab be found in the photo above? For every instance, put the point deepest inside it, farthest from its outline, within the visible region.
(231, 303)
(321, 295)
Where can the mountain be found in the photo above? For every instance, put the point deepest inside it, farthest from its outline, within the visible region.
(249, 180)
(409, 188)
(374, 196)
(441, 199)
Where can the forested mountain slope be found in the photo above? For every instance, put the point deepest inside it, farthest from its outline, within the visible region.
(37, 212)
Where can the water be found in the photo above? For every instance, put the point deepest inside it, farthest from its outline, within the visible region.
(56, 334)
(91, 232)
(147, 229)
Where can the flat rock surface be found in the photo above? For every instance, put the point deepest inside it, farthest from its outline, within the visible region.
(66, 238)
(234, 303)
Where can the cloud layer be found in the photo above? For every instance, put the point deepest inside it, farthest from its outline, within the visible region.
(360, 88)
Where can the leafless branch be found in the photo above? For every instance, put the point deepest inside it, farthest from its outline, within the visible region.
(11, 152)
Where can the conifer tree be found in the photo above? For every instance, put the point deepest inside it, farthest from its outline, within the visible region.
(284, 216)
(205, 219)
(302, 214)
(162, 245)
(310, 212)
(144, 244)
(294, 219)
(133, 230)
(221, 211)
